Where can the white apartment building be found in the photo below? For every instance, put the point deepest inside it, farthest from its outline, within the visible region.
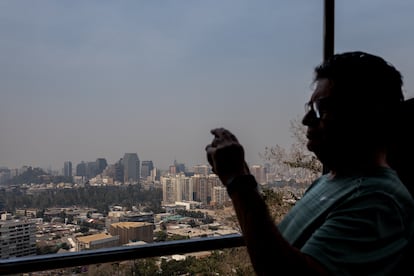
(17, 237)
(259, 173)
(168, 190)
(176, 188)
(219, 195)
(201, 169)
(195, 188)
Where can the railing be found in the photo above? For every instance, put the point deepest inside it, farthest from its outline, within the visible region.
(114, 254)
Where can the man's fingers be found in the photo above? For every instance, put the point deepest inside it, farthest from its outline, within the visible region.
(225, 154)
(219, 132)
(222, 136)
(232, 137)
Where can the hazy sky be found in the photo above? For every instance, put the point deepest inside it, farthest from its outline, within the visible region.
(81, 80)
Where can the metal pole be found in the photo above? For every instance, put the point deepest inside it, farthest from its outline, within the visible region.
(328, 38)
(328, 29)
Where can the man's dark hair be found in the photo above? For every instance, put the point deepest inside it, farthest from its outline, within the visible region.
(368, 91)
(366, 77)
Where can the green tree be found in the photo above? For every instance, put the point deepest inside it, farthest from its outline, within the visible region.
(160, 236)
(145, 267)
(173, 267)
(84, 229)
(176, 237)
(46, 249)
(297, 157)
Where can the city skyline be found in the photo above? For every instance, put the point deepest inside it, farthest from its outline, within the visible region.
(70, 166)
(84, 80)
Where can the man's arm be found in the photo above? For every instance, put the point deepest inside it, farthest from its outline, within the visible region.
(268, 250)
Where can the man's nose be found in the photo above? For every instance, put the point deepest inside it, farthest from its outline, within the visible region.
(310, 119)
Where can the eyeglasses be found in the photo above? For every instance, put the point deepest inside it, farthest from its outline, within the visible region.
(318, 106)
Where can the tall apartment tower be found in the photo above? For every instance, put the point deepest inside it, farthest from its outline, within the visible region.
(119, 171)
(219, 195)
(169, 190)
(100, 165)
(81, 169)
(259, 173)
(146, 168)
(5, 175)
(202, 187)
(67, 169)
(179, 167)
(176, 188)
(131, 168)
(172, 170)
(201, 169)
(17, 238)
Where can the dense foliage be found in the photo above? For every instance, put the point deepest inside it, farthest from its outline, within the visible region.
(205, 218)
(232, 261)
(94, 197)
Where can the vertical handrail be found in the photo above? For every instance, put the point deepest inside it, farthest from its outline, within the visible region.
(328, 37)
(328, 29)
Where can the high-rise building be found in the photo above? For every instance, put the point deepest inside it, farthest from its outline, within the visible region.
(179, 167)
(131, 168)
(17, 237)
(184, 188)
(259, 173)
(176, 187)
(172, 170)
(67, 169)
(100, 165)
(119, 171)
(201, 188)
(219, 195)
(81, 169)
(169, 190)
(201, 169)
(5, 175)
(91, 169)
(146, 168)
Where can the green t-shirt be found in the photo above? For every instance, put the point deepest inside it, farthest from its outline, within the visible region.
(355, 225)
